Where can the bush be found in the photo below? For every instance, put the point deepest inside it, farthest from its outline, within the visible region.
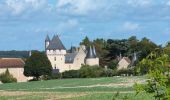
(113, 64)
(7, 77)
(125, 71)
(87, 71)
(71, 74)
(109, 73)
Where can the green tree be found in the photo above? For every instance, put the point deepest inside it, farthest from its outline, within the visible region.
(7, 77)
(37, 65)
(86, 42)
(167, 48)
(158, 82)
(145, 46)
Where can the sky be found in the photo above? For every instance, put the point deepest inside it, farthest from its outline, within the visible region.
(24, 24)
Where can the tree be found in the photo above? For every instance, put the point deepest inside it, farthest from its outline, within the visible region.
(158, 82)
(145, 46)
(37, 65)
(86, 42)
(7, 77)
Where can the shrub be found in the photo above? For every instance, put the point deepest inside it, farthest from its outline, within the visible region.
(7, 77)
(71, 74)
(109, 73)
(87, 71)
(113, 64)
(125, 71)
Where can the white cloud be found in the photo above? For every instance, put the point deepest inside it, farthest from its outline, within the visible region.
(79, 7)
(17, 7)
(168, 3)
(139, 3)
(129, 26)
(67, 25)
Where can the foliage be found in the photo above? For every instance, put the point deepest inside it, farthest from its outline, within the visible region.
(50, 77)
(37, 65)
(129, 71)
(14, 54)
(157, 64)
(71, 74)
(7, 77)
(109, 50)
(87, 71)
(86, 42)
(113, 64)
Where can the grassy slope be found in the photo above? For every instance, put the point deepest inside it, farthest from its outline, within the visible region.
(72, 85)
(92, 86)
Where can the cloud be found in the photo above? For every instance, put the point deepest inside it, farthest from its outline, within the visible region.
(140, 3)
(18, 7)
(79, 7)
(168, 3)
(129, 26)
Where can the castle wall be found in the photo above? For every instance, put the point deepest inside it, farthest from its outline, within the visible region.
(57, 59)
(123, 64)
(17, 73)
(92, 61)
(79, 59)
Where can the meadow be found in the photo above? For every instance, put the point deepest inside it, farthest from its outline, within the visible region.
(74, 89)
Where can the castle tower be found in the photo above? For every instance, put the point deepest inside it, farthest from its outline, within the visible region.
(56, 52)
(91, 57)
(47, 42)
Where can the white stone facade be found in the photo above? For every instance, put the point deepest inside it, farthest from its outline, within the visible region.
(62, 60)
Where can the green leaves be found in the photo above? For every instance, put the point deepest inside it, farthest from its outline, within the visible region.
(37, 65)
(157, 65)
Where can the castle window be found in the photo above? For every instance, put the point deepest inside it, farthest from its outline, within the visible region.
(54, 58)
(55, 66)
(61, 59)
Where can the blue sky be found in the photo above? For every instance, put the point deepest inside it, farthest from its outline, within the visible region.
(24, 24)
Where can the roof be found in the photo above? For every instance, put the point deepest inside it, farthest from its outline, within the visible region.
(127, 59)
(91, 53)
(56, 44)
(11, 63)
(47, 39)
(69, 58)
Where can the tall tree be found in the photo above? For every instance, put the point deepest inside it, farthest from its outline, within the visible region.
(37, 65)
(145, 46)
(86, 42)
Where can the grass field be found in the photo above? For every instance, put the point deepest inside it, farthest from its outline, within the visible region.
(73, 89)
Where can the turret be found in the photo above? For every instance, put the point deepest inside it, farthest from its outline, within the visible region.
(91, 58)
(47, 42)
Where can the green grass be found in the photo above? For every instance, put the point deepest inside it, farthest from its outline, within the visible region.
(71, 85)
(92, 89)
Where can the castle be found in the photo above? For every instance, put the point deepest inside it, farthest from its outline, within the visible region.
(64, 60)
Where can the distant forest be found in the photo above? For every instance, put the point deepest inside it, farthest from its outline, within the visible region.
(14, 54)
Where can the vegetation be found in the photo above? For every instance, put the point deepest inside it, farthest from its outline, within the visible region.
(87, 71)
(109, 50)
(7, 77)
(37, 65)
(73, 89)
(156, 65)
(14, 54)
(71, 74)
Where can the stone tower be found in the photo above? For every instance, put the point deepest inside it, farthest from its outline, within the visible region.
(91, 57)
(47, 42)
(55, 52)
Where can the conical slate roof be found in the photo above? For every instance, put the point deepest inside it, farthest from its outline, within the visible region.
(56, 44)
(47, 39)
(90, 53)
(94, 51)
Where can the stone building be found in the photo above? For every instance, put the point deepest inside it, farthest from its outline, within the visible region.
(64, 60)
(15, 67)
